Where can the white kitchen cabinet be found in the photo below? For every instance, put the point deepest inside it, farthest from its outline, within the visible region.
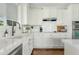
(27, 45)
(49, 40)
(71, 47)
(74, 12)
(35, 16)
(60, 14)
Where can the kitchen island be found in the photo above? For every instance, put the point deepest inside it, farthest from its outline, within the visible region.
(49, 39)
(7, 45)
(71, 46)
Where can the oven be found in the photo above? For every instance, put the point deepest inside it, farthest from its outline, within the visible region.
(75, 29)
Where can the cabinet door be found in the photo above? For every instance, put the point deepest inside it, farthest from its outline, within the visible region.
(35, 16)
(75, 12)
(56, 42)
(47, 40)
(40, 40)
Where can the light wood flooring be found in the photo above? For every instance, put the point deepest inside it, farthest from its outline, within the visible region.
(37, 51)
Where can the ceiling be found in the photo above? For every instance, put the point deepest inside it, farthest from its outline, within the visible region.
(57, 5)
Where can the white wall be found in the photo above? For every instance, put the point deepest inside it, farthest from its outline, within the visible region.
(11, 10)
(2, 9)
(2, 15)
(35, 16)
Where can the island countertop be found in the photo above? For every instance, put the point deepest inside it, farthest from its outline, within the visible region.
(9, 44)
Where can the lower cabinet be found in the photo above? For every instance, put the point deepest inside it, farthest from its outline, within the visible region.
(46, 40)
(48, 43)
(27, 46)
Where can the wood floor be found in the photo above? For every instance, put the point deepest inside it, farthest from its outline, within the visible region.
(48, 51)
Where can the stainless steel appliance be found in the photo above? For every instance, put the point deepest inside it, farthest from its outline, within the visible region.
(75, 29)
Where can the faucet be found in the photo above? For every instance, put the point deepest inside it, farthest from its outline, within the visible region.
(13, 31)
(12, 23)
(18, 24)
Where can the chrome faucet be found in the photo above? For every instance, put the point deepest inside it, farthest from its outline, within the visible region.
(13, 23)
(18, 24)
(13, 31)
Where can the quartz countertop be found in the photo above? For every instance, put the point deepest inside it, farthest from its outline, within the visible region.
(7, 44)
(72, 42)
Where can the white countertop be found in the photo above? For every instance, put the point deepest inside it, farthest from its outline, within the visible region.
(8, 44)
(72, 42)
(71, 46)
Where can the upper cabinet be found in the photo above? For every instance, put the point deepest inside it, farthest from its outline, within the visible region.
(59, 13)
(74, 12)
(35, 16)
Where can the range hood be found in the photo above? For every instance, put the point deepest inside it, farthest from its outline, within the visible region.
(50, 19)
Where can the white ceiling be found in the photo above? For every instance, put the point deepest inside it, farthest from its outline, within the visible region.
(57, 5)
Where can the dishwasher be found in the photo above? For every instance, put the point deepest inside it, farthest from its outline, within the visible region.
(16, 51)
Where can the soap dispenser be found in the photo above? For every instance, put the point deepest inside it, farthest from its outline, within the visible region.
(5, 33)
(41, 29)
